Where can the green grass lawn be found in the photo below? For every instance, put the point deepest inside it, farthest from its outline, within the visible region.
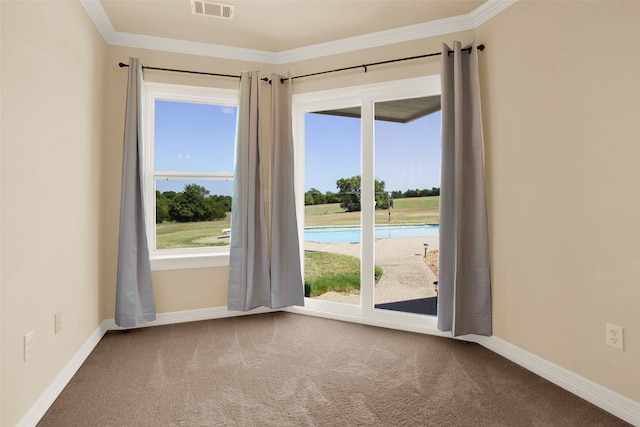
(173, 235)
(327, 272)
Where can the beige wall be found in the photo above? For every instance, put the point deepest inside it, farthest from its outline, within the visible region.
(52, 92)
(560, 102)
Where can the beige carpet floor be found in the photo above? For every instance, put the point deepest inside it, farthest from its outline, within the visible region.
(283, 369)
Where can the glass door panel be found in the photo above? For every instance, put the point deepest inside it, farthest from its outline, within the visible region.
(407, 199)
(332, 224)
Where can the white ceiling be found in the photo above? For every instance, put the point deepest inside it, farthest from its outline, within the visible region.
(280, 31)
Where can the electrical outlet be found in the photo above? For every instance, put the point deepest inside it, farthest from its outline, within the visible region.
(58, 322)
(615, 337)
(28, 345)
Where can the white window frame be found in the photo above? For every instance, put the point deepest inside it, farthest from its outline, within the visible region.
(364, 96)
(184, 258)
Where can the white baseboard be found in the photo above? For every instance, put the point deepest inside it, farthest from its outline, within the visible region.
(610, 401)
(46, 399)
(190, 316)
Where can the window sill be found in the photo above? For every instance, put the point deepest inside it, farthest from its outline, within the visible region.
(189, 261)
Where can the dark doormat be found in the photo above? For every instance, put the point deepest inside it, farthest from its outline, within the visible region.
(417, 306)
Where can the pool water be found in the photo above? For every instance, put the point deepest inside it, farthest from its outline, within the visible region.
(352, 234)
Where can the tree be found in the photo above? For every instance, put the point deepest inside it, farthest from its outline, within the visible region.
(190, 206)
(411, 193)
(195, 204)
(169, 195)
(317, 197)
(382, 198)
(162, 207)
(332, 197)
(215, 208)
(434, 191)
(350, 189)
(224, 201)
(308, 199)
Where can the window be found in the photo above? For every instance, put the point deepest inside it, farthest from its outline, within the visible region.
(188, 170)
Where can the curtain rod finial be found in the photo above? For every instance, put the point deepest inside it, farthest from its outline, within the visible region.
(122, 64)
(480, 47)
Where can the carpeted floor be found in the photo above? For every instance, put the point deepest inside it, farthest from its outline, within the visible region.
(283, 369)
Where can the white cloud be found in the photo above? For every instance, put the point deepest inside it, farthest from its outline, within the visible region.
(228, 110)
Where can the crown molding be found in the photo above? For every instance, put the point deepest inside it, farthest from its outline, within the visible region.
(190, 47)
(100, 19)
(380, 38)
(454, 24)
(488, 10)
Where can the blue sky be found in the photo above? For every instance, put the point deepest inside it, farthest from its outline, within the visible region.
(407, 154)
(198, 137)
(192, 137)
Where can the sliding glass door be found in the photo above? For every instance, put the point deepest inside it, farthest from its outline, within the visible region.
(368, 159)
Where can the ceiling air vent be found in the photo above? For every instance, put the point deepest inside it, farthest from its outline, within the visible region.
(207, 8)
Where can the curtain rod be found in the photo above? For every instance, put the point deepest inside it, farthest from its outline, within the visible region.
(353, 67)
(122, 65)
(144, 67)
(365, 66)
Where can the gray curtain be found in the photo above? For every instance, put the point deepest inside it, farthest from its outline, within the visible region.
(249, 280)
(134, 291)
(464, 283)
(286, 273)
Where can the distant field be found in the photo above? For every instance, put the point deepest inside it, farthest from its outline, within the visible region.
(173, 235)
(414, 210)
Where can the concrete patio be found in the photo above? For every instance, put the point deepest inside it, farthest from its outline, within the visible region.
(406, 275)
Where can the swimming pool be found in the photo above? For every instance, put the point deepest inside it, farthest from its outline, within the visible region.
(352, 234)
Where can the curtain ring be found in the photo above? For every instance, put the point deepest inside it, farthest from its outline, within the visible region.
(365, 67)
